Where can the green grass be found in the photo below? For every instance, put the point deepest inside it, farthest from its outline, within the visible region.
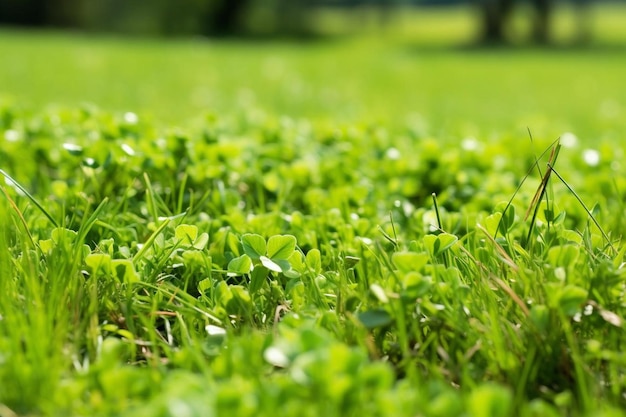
(418, 74)
(284, 254)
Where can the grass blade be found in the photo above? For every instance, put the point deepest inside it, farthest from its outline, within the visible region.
(541, 190)
(521, 184)
(30, 197)
(593, 219)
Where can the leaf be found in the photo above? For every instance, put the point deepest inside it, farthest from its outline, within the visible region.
(186, 234)
(201, 241)
(204, 285)
(46, 245)
(241, 298)
(194, 258)
(571, 298)
(508, 218)
(314, 260)
(258, 277)
(379, 293)
(540, 317)
(151, 240)
(564, 255)
(86, 250)
(291, 273)
(572, 236)
(297, 293)
(223, 293)
(415, 284)
(270, 264)
(429, 243)
(549, 213)
(231, 243)
(351, 261)
(253, 245)
(446, 241)
(98, 261)
(440, 243)
(296, 261)
(489, 400)
(240, 265)
(281, 246)
(409, 261)
(375, 318)
(61, 235)
(491, 223)
(125, 270)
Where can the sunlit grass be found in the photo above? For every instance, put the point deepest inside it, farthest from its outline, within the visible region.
(361, 226)
(418, 74)
(254, 266)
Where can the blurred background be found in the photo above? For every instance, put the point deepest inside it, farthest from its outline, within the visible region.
(496, 20)
(446, 68)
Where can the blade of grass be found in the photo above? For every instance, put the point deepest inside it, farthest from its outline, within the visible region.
(386, 236)
(150, 240)
(593, 219)
(19, 214)
(30, 197)
(88, 224)
(150, 199)
(541, 190)
(437, 211)
(521, 184)
(544, 181)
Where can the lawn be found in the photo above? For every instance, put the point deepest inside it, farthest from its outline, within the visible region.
(377, 225)
(419, 74)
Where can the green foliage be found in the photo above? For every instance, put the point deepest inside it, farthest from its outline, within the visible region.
(202, 286)
(248, 265)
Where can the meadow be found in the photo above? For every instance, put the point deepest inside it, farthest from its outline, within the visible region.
(397, 223)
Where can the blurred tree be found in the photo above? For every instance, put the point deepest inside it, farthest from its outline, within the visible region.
(250, 17)
(55, 13)
(292, 17)
(497, 12)
(223, 18)
(541, 27)
(22, 12)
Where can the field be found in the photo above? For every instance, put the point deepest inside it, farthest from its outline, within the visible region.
(396, 224)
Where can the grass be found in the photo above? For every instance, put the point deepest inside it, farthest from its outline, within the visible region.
(404, 77)
(292, 255)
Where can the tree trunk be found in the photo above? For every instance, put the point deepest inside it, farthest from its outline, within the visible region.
(224, 19)
(495, 14)
(541, 29)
